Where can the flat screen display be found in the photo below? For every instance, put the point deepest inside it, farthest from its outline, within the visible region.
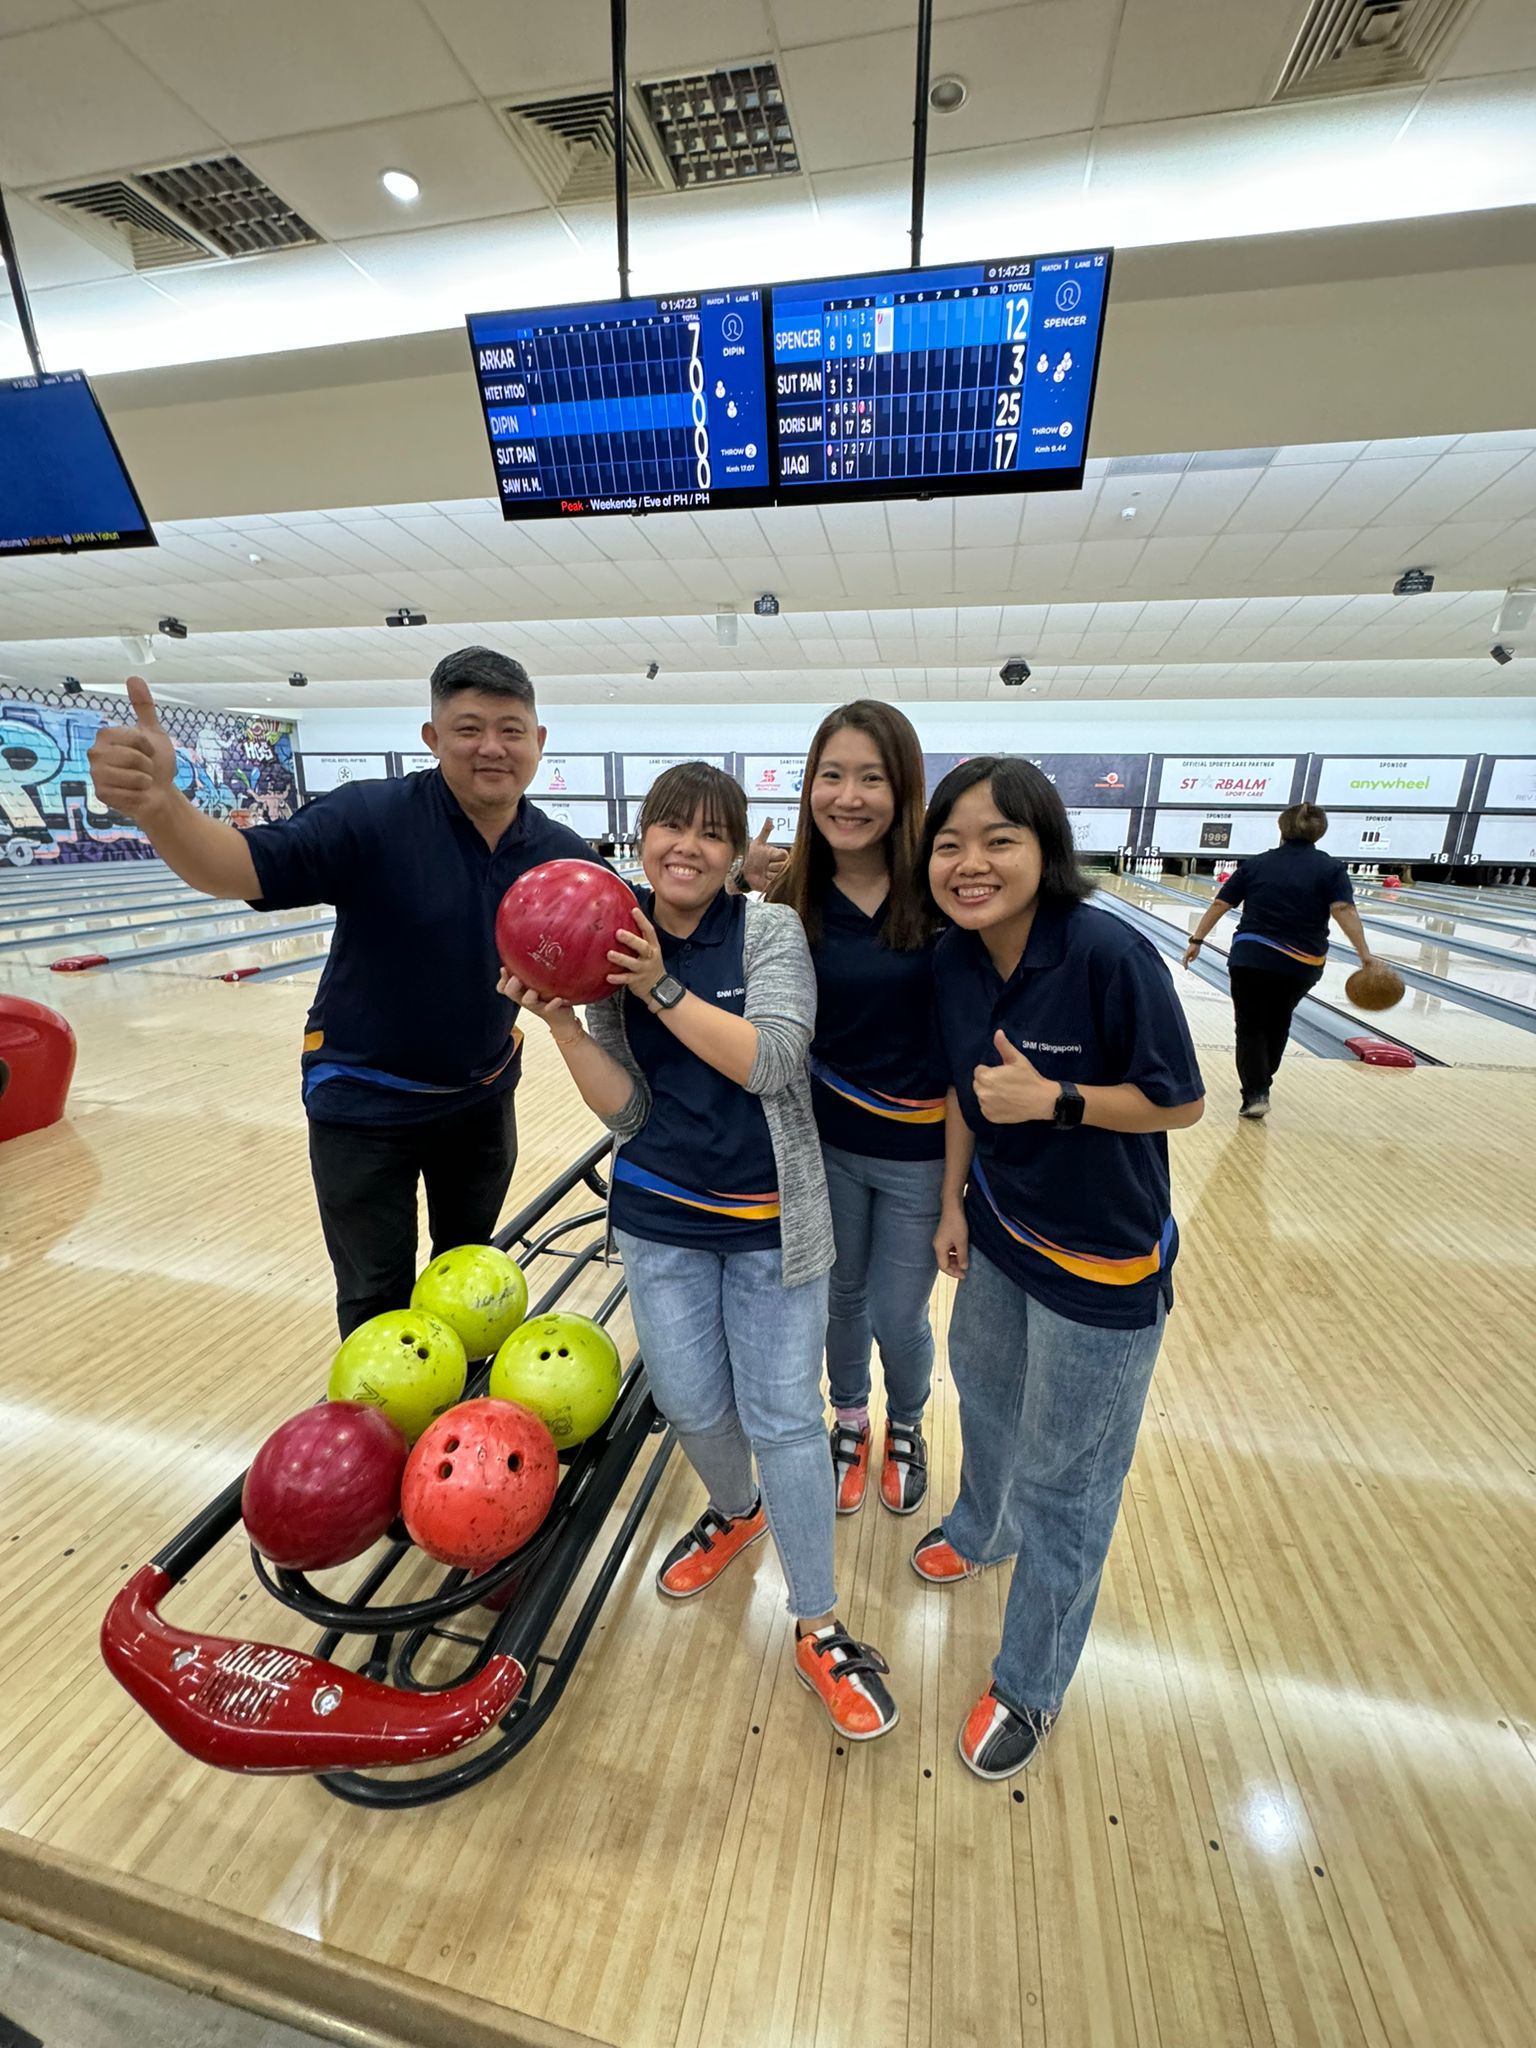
(63, 486)
(629, 405)
(972, 377)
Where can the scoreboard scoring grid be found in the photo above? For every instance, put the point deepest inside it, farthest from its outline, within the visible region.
(948, 380)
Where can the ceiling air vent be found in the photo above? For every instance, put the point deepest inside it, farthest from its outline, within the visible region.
(568, 144)
(717, 127)
(1356, 45)
(188, 213)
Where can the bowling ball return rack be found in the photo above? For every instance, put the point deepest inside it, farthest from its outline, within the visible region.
(254, 1707)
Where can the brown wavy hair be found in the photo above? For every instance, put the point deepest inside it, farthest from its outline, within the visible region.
(803, 885)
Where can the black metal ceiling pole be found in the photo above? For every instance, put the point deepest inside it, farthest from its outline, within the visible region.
(18, 287)
(618, 14)
(920, 126)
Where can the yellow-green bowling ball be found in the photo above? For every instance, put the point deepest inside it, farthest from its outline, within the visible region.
(478, 1292)
(407, 1362)
(565, 1368)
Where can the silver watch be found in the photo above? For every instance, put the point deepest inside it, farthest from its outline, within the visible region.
(668, 992)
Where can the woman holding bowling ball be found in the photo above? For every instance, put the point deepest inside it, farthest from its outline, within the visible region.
(697, 1064)
(877, 1083)
(1069, 1061)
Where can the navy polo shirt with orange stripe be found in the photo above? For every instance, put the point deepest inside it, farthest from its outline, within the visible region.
(877, 1078)
(406, 1024)
(1080, 1219)
(1286, 895)
(701, 1170)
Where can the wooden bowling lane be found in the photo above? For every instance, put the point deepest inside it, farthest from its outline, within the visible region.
(1290, 1801)
(1438, 1024)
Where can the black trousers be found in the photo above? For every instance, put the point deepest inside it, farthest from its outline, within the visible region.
(365, 1183)
(1262, 1004)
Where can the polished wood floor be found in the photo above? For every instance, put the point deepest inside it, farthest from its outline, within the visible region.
(1291, 1802)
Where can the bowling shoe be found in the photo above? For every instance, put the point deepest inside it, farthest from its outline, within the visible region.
(996, 1740)
(847, 1677)
(850, 1465)
(904, 1468)
(703, 1554)
(1256, 1110)
(937, 1560)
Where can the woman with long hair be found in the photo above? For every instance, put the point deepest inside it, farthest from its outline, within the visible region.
(719, 1210)
(877, 1085)
(1069, 1060)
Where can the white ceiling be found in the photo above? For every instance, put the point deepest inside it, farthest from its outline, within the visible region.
(1133, 121)
(1247, 573)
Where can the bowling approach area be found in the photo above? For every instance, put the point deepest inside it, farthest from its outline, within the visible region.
(1290, 1799)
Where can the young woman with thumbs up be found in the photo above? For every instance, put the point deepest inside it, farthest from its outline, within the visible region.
(1069, 1060)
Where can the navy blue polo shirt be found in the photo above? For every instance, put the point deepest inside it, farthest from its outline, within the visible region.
(1285, 894)
(1081, 1219)
(877, 1077)
(406, 1024)
(701, 1170)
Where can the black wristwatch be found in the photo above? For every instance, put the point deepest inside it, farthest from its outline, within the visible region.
(1068, 1113)
(668, 993)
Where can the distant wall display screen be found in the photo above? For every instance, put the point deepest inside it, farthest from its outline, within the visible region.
(630, 405)
(975, 377)
(63, 486)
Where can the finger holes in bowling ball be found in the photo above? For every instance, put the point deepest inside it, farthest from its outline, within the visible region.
(543, 1355)
(422, 1351)
(514, 1462)
(445, 1470)
(564, 1353)
(452, 1444)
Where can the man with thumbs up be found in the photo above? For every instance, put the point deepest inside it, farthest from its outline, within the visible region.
(410, 1058)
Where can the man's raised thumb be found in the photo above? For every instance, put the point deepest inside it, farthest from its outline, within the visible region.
(142, 704)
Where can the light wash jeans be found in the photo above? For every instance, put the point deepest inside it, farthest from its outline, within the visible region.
(884, 1214)
(734, 1359)
(1049, 1411)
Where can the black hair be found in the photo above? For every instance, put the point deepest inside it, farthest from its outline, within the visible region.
(678, 795)
(1303, 824)
(480, 668)
(1025, 796)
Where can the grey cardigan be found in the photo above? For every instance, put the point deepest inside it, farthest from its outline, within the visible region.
(781, 1002)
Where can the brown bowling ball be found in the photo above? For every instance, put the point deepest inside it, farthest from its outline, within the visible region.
(1375, 986)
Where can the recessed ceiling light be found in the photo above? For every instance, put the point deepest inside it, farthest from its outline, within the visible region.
(400, 185)
(948, 95)
(254, 558)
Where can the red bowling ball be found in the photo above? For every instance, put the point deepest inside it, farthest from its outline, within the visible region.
(325, 1485)
(557, 925)
(479, 1483)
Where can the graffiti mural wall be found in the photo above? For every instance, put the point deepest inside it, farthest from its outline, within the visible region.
(236, 768)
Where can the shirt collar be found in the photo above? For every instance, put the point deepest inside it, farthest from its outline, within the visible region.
(450, 807)
(716, 925)
(1046, 946)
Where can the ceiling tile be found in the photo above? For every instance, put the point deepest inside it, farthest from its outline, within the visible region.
(119, 115)
(1177, 57)
(287, 67)
(520, 51)
(460, 156)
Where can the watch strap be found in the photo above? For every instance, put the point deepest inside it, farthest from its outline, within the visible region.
(1070, 1107)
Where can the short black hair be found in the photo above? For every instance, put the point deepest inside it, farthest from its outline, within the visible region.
(1026, 796)
(678, 795)
(480, 668)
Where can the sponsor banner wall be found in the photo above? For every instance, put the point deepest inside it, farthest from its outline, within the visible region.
(1390, 835)
(638, 771)
(570, 775)
(1228, 780)
(1511, 784)
(775, 778)
(589, 816)
(1100, 831)
(1504, 839)
(329, 771)
(1208, 832)
(1431, 783)
(233, 767)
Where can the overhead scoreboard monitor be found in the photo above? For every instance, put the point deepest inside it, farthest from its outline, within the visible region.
(63, 486)
(967, 378)
(629, 405)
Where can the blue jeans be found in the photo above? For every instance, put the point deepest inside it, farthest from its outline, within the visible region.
(884, 1214)
(1049, 1411)
(734, 1359)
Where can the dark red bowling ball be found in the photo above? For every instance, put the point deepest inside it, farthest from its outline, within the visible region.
(325, 1485)
(557, 925)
